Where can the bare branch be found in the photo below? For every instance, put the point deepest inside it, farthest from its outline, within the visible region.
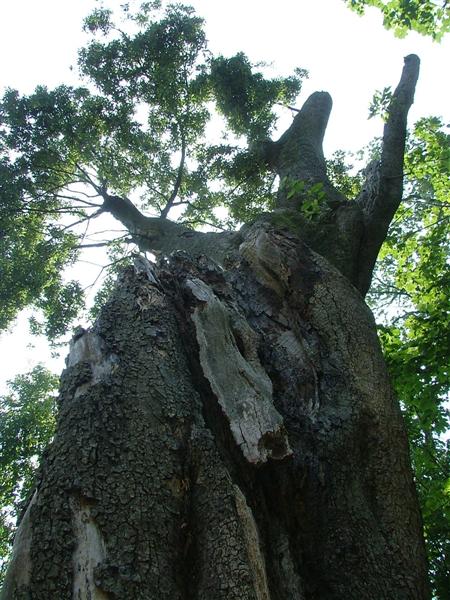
(297, 110)
(103, 268)
(82, 193)
(98, 245)
(88, 179)
(415, 198)
(84, 219)
(100, 232)
(181, 202)
(155, 191)
(47, 211)
(76, 199)
(194, 221)
(176, 187)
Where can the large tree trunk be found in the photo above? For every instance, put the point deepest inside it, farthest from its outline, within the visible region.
(226, 434)
(229, 432)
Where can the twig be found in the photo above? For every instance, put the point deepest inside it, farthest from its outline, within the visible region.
(176, 187)
(98, 245)
(288, 106)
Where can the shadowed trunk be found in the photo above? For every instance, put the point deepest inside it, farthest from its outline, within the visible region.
(229, 431)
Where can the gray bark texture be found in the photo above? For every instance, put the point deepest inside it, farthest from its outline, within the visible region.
(227, 430)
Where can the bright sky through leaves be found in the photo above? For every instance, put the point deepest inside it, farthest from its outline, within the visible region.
(347, 55)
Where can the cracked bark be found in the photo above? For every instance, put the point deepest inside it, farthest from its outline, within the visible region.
(228, 431)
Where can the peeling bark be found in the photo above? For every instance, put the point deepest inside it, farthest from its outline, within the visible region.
(236, 377)
(88, 553)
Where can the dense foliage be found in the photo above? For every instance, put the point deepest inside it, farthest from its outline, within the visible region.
(428, 17)
(141, 127)
(138, 127)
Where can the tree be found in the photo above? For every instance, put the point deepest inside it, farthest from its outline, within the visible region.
(226, 429)
(412, 311)
(428, 17)
(26, 428)
(415, 343)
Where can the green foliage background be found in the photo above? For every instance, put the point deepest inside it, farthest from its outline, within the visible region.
(413, 276)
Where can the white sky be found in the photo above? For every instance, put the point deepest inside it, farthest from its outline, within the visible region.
(347, 55)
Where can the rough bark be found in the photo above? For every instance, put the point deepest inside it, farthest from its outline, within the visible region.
(228, 431)
(226, 434)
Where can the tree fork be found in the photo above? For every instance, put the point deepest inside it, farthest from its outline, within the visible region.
(351, 236)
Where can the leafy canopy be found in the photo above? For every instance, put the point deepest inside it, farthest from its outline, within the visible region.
(138, 128)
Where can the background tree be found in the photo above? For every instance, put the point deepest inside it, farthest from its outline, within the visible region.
(414, 338)
(307, 201)
(26, 428)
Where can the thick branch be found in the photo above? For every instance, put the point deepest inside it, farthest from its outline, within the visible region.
(394, 134)
(382, 192)
(162, 236)
(301, 145)
(298, 154)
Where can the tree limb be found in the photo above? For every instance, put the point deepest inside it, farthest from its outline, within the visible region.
(382, 205)
(162, 236)
(293, 108)
(88, 179)
(382, 193)
(76, 199)
(97, 245)
(298, 154)
(83, 220)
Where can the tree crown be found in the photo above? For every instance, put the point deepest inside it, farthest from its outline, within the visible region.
(137, 128)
